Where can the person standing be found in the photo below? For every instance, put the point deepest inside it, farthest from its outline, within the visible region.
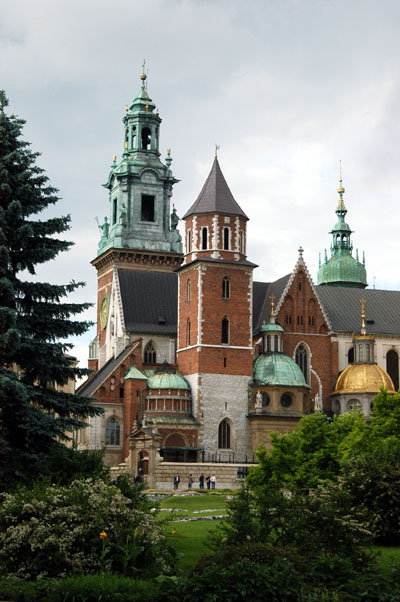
(208, 481)
(176, 481)
(190, 481)
(213, 480)
(201, 481)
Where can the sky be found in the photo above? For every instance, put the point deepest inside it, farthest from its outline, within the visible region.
(286, 88)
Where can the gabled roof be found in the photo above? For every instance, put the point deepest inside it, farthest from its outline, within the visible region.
(342, 305)
(261, 302)
(215, 196)
(149, 301)
(94, 382)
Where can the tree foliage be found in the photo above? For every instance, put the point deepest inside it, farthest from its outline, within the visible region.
(35, 318)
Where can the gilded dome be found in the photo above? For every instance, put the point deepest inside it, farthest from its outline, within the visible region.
(278, 369)
(363, 378)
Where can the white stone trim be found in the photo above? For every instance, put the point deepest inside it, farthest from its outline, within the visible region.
(222, 346)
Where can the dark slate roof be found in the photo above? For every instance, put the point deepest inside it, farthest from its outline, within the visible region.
(342, 305)
(261, 301)
(215, 196)
(93, 383)
(149, 301)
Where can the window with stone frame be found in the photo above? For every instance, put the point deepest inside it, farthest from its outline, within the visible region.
(204, 238)
(224, 434)
(188, 241)
(226, 239)
(225, 331)
(112, 432)
(301, 359)
(150, 354)
(226, 288)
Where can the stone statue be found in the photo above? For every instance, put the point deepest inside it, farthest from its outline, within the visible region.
(258, 400)
(317, 403)
(122, 219)
(104, 228)
(174, 219)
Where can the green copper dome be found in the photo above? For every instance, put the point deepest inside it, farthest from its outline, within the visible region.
(271, 327)
(166, 377)
(342, 269)
(278, 369)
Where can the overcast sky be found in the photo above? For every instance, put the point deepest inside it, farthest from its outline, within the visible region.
(287, 88)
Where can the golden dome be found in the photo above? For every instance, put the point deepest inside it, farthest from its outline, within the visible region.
(363, 378)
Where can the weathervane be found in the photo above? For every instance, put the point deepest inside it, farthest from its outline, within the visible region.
(217, 147)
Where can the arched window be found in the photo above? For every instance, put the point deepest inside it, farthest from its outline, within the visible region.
(146, 134)
(302, 360)
(114, 211)
(241, 242)
(392, 367)
(133, 139)
(350, 356)
(224, 435)
(188, 290)
(150, 356)
(226, 288)
(226, 239)
(112, 432)
(354, 404)
(204, 238)
(188, 241)
(225, 331)
(276, 342)
(188, 332)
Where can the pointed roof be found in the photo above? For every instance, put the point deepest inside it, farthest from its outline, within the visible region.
(215, 196)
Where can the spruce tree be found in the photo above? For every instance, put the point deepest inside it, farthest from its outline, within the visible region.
(35, 317)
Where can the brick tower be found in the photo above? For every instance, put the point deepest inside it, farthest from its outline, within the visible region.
(215, 318)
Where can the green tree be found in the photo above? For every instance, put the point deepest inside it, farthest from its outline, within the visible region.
(35, 318)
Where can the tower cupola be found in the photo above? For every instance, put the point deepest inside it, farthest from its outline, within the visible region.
(342, 269)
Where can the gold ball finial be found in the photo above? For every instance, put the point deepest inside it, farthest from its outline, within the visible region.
(143, 76)
(126, 108)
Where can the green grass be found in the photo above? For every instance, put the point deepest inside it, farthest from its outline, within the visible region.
(190, 541)
(388, 555)
(196, 505)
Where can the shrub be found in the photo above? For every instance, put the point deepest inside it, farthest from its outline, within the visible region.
(54, 531)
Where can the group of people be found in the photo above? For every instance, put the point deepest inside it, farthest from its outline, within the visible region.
(209, 480)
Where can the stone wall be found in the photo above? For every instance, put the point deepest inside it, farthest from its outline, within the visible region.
(226, 474)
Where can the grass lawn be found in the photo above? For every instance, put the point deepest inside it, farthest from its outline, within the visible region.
(190, 540)
(388, 555)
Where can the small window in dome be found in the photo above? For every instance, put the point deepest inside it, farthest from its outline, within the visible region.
(286, 400)
(354, 404)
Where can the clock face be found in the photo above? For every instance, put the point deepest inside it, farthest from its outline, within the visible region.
(104, 311)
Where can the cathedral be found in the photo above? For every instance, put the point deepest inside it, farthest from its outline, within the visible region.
(194, 361)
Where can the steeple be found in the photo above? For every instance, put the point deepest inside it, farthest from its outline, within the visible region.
(140, 186)
(342, 269)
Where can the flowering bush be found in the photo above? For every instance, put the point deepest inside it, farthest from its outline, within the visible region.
(54, 531)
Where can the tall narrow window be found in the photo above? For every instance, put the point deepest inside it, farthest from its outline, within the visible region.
(225, 331)
(188, 290)
(147, 208)
(224, 435)
(204, 238)
(350, 355)
(150, 355)
(269, 342)
(276, 342)
(146, 136)
(226, 239)
(302, 360)
(241, 242)
(188, 241)
(133, 140)
(114, 211)
(226, 288)
(112, 432)
(188, 332)
(392, 367)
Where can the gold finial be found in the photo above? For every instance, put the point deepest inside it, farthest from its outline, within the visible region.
(126, 145)
(340, 189)
(146, 107)
(143, 75)
(168, 151)
(272, 304)
(363, 329)
(114, 158)
(126, 108)
(217, 147)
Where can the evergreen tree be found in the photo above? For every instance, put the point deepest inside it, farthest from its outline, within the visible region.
(34, 316)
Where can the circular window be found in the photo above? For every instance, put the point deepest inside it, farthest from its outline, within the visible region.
(265, 400)
(286, 400)
(354, 404)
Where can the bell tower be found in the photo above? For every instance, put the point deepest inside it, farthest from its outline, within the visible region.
(140, 231)
(215, 317)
